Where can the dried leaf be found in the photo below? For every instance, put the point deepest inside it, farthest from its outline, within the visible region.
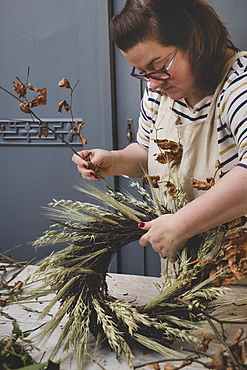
(238, 222)
(154, 366)
(19, 88)
(169, 367)
(244, 351)
(203, 346)
(63, 104)
(25, 107)
(171, 189)
(77, 126)
(83, 140)
(161, 158)
(41, 99)
(237, 238)
(151, 180)
(64, 83)
(238, 336)
(173, 152)
(202, 185)
(165, 144)
(45, 132)
(219, 360)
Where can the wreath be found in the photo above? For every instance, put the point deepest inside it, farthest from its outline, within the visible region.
(77, 274)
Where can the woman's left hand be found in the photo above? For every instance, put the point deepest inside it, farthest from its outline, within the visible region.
(164, 235)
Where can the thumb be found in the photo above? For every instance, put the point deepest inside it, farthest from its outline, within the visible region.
(144, 225)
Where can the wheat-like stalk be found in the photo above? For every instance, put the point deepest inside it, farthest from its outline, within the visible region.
(77, 276)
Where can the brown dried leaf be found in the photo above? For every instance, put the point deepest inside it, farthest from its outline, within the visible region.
(169, 367)
(238, 336)
(63, 104)
(238, 238)
(244, 351)
(64, 83)
(45, 132)
(202, 185)
(154, 366)
(31, 87)
(165, 144)
(236, 223)
(41, 99)
(151, 180)
(25, 107)
(83, 140)
(19, 88)
(219, 360)
(3, 302)
(173, 152)
(77, 126)
(203, 346)
(161, 158)
(171, 189)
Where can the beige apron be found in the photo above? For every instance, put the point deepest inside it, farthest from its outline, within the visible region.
(199, 142)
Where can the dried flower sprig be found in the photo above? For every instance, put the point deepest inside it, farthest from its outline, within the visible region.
(26, 105)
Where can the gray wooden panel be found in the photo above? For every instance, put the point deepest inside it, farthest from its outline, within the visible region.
(56, 39)
(233, 14)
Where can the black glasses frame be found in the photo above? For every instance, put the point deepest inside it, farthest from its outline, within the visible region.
(146, 76)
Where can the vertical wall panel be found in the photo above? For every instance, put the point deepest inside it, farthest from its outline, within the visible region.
(56, 39)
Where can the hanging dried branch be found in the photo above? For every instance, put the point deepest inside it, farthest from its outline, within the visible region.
(26, 105)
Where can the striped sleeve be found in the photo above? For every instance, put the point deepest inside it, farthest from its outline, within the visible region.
(233, 117)
(148, 114)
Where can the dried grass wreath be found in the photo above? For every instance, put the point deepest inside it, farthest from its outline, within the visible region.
(77, 275)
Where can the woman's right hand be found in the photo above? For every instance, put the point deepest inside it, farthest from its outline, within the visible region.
(101, 163)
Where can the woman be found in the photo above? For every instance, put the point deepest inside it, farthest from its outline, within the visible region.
(193, 115)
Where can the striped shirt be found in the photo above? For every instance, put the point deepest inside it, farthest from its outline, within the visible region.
(231, 116)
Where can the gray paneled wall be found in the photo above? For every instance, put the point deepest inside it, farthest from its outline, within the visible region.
(56, 39)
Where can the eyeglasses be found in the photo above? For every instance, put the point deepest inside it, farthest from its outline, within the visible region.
(161, 74)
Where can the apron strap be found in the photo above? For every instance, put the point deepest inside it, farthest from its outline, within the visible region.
(225, 72)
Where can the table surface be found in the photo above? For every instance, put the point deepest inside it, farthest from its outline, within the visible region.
(133, 288)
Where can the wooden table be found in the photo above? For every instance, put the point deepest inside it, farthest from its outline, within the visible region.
(138, 289)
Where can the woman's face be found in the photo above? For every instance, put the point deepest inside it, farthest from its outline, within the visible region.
(149, 56)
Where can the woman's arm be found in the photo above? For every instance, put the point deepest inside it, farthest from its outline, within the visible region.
(225, 201)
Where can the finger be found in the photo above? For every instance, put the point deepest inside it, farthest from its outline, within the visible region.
(87, 174)
(78, 159)
(172, 258)
(144, 225)
(143, 241)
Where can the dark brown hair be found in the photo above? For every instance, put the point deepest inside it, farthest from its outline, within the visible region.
(191, 24)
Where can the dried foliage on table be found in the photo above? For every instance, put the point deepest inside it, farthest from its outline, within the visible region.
(77, 275)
